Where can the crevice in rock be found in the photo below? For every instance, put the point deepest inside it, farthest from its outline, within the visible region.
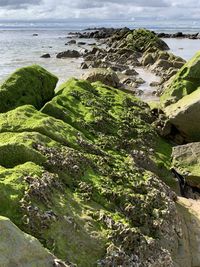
(186, 189)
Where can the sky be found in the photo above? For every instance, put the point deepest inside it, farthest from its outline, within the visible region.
(99, 9)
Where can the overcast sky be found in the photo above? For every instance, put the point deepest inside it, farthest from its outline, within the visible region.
(99, 9)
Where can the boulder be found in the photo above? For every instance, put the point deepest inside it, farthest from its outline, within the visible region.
(20, 249)
(130, 72)
(69, 54)
(148, 60)
(184, 83)
(46, 56)
(186, 162)
(30, 85)
(71, 42)
(185, 116)
(162, 64)
(106, 76)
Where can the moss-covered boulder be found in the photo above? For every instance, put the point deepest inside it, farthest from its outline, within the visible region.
(186, 81)
(186, 161)
(143, 39)
(88, 177)
(20, 249)
(185, 116)
(30, 85)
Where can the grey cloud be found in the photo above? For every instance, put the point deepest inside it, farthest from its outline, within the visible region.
(85, 4)
(16, 4)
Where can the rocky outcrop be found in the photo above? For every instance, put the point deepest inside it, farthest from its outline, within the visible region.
(31, 85)
(85, 176)
(162, 63)
(138, 40)
(184, 83)
(69, 54)
(179, 35)
(106, 76)
(20, 249)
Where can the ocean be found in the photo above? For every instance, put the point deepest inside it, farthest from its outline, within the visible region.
(19, 47)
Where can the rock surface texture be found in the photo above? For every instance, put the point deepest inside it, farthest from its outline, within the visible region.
(20, 249)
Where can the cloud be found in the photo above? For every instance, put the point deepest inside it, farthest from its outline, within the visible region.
(99, 9)
(18, 4)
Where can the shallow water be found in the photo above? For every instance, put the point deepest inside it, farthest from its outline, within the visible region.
(182, 47)
(148, 91)
(20, 48)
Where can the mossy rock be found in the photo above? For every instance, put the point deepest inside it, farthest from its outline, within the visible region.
(184, 115)
(85, 173)
(142, 39)
(30, 85)
(184, 83)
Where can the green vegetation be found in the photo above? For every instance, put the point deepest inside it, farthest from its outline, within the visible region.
(31, 85)
(83, 170)
(183, 83)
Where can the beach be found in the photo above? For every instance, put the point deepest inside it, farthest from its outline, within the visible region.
(19, 47)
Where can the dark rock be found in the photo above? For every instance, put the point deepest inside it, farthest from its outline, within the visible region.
(71, 42)
(46, 56)
(69, 54)
(84, 66)
(81, 43)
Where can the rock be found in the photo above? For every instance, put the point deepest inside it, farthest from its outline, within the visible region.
(91, 146)
(81, 43)
(140, 81)
(185, 82)
(178, 64)
(71, 42)
(188, 252)
(35, 34)
(46, 56)
(148, 60)
(20, 249)
(154, 84)
(30, 85)
(185, 160)
(162, 64)
(69, 54)
(84, 66)
(106, 76)
(130, 72)
(178, 34)
(184, 115)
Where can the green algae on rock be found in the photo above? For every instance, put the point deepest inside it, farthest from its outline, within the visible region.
(85, 177)
(30, 85)
(139, 40)
(184, 83)
(184, 115)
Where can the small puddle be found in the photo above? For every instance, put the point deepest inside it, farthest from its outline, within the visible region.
(148, 91)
